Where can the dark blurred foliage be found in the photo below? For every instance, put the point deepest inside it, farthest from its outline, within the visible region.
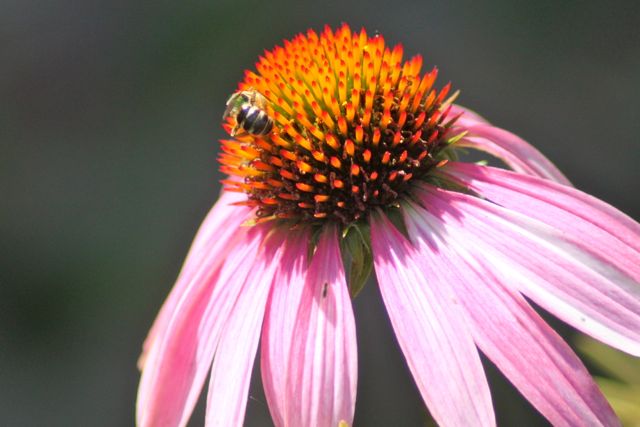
(109, 117)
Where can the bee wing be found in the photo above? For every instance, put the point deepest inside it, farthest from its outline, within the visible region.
(231, 104)
(228, 110)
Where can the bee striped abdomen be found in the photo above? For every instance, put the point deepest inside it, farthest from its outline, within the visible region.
(254, 120)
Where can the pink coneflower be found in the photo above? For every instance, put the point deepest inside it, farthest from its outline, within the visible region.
(343, 160)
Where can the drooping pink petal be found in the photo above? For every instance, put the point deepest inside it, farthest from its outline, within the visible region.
(467, 117)
(518, 154)
(584, 290)
(505, 327)
(233, 360)
(431, 330)
(218, 227)
(322, 364)
(597, 226)
(279, 322)
(179, 361)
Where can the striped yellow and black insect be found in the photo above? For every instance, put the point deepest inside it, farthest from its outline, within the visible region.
(248, 109)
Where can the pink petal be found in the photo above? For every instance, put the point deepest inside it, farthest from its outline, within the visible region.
(467, 118)
(546, 265)
(322, 365)
(518, 154)
(505, 327)
(279, 323)
(598, 227)
(431, 330)
(233, 361)
(216, 230)
(180, 359)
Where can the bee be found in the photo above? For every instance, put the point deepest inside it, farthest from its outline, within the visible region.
(248, 108)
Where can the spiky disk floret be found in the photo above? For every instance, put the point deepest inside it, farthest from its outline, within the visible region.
(354, 125)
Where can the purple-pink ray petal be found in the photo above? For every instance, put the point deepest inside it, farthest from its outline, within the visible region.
(279, 323)
(432, 331)
(518, 154)
(599, 226)
(467, 117)
(584, 290)
(177, 364)
(236, 350)
(217, 229)
(505, 327)
(322, 377)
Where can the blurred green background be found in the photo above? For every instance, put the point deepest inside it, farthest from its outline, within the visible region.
(109, 120)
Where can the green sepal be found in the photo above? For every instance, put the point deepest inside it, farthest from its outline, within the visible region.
(395, 216)
(355, 246)
(448, 153)
(444, 182)
(449, 148)
(456, 138)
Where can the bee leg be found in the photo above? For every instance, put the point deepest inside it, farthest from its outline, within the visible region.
(238, 131)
